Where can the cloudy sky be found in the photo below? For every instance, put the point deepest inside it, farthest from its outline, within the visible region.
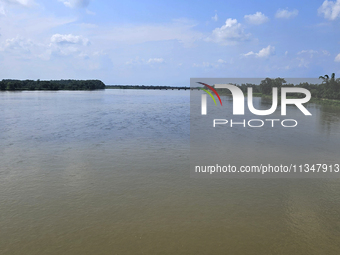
(167, 42)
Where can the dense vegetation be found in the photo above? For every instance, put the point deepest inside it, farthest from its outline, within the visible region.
(328, 89)
(51, 85)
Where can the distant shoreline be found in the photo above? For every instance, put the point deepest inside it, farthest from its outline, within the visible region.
(53, 85)
(88, 85)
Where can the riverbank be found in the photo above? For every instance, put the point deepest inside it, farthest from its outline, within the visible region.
(324, 101)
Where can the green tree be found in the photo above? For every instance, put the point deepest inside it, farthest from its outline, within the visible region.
(2, 85)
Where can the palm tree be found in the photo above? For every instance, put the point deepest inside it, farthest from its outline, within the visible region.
(333, 77)
(325, 78)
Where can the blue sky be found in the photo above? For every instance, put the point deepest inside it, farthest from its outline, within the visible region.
(167, 42)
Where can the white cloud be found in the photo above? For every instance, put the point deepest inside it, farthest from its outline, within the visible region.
(312, 53)
(265, 52)
(76, 3)
(180, 30)
(20, 2)
(205, 65)
(220, 63)
(65, 51)
(330, 10)
(325, 52)
(17, 45)
(156, 60)
(303, 62)
(136, 61)
(69, 39)
(27, 36)
(23, 48)
(229, 34)
(67, 44)
(285, 14)
(141, 61)
(250, 53)
(28, 25)
(256, 19)
(307, 51)
(2, 10)
(4, 4)
(305, 58)
(337, 58)
(215, 18)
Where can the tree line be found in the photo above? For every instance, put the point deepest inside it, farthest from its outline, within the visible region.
(9, 84)
(328, 89)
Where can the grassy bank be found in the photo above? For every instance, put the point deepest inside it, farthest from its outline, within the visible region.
(324, 101)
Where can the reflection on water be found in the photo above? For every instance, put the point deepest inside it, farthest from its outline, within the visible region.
(329, 119)
(107, 172)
